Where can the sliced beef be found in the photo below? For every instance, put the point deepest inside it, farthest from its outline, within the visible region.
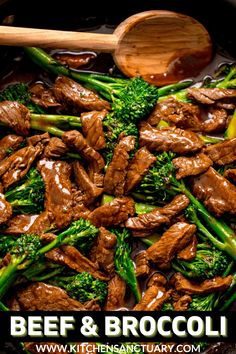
(181, 114)
(142, 267)
(171, 242)
(216, 120)
(40, 138)
(89, 189)
(230, 174)
(15, 116)
(42, 223)
(76, 97)
(71, 257)
(210, 95)
(182, 303)
(75, 60)
(43, 297)
(92, 127)
(9, 144)
(222, 153)
(217, 193)
(189, 252)
(169, 139)
(5, 210)
(16, 166)
(58, 195)
(114, 213)
(191, 166)
(75, 140)
(103, 251)
(92, 305)
(146, 224)
(187, 286)
(20, 224)
(79, 209)
(55, 149)
(155, 295)
(43, 97)
(116, 294)
(138, 167)
(114, 181)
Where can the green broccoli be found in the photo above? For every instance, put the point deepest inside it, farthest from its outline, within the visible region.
(124, 265)
(27, 197)
(27, 249)
(83, 287)
(208, 263)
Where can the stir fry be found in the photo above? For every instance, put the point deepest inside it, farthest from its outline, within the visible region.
(114, 191)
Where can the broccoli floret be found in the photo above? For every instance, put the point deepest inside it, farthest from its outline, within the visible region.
(208, 263)
(83, 287)
(6, 243)
(124, 265)
(27, 197)
(27, 249)
(167, 306)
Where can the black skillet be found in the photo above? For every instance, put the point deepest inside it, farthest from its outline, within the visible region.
(218, 16)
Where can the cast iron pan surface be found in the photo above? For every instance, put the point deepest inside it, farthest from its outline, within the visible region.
(218, 16)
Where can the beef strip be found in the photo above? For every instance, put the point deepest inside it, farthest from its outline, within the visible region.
(116, 294)
(114, 181)
(15, 116)
(40, 138)
(155, 295)
(92, 127)
(171, 242)
(103, 251)
(157, 279)
(43, 97)
(187, 286)
(181, 114)
(58, 195)
(216, 122)
(55, 149)
(189, 252)
(42, 223)
(20, 224)
(146, 224)
(114, 213)
(16, 166)
(191, 166)
(8, 144)
(90, 190)
(138, 167)
(230, 174)
(77, 97)
(79, 209)
(5, 210)
(71, 257)
(169, 139)
(92, 305)
(222, 153)
(142, 267)
(183, 303)
(217, 193)
(39, 296)
(73, 60)
(210, 95)
(75, 140)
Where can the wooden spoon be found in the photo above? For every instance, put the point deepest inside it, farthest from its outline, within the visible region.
(161, 46)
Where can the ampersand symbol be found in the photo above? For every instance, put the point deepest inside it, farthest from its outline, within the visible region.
(89, 328)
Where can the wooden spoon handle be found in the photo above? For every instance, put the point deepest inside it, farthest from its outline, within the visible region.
(28, 37)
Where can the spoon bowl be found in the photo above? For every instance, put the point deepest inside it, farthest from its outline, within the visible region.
(161, 46)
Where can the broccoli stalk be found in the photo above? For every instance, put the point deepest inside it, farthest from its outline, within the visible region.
(208, 263)
(124, 265)
(82, 287)
(160, 184)
(27, 196)
(28, 249)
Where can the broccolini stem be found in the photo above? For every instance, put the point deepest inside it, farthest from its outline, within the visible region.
(8, 277)
(58, 120)
(223, 231)
(3, 307)
(46, 128)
